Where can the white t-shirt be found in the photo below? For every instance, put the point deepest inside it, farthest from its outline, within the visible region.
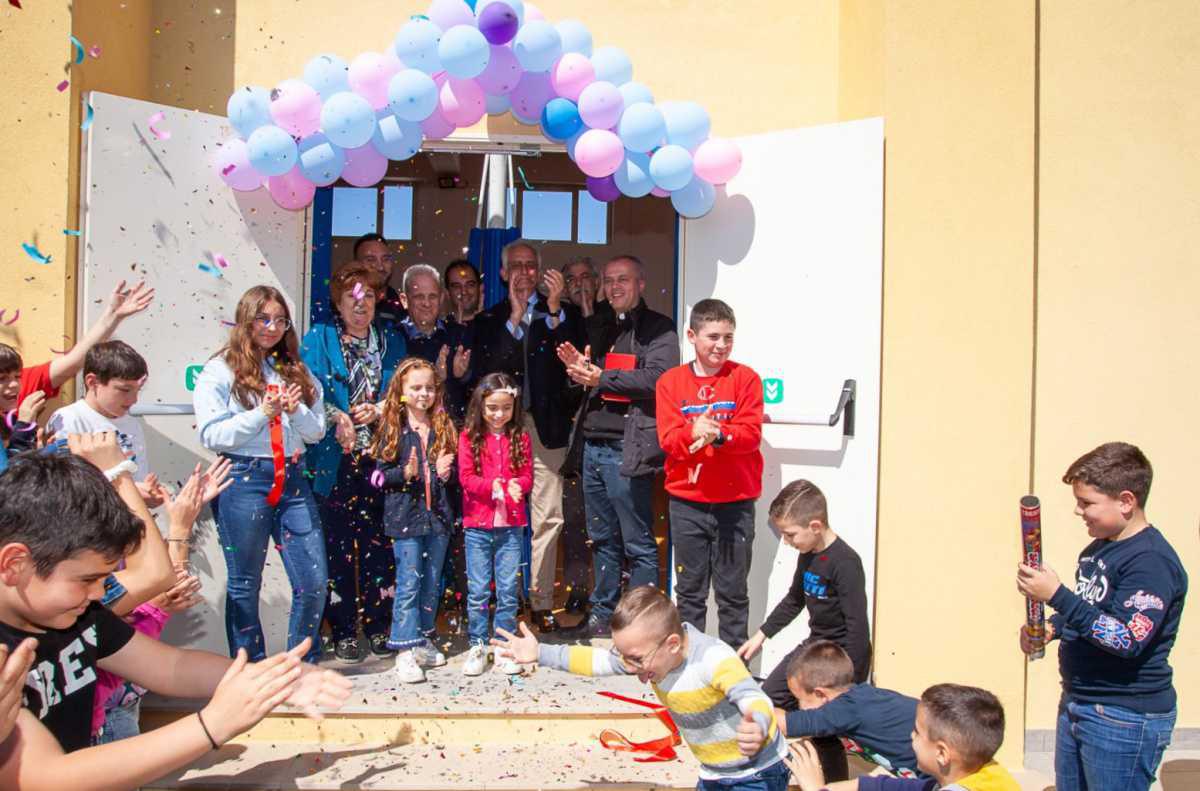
(79, 418)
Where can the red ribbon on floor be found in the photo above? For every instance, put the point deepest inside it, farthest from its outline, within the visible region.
(277, 457)
(661, 749)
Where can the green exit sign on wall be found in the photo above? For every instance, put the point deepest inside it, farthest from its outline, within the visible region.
(189, 376)
(772, 391)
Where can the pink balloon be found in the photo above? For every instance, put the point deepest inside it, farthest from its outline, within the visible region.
(370, 74)
(436, 126)
(571, 74)
(599, 153)
(533, 13)
(233, 165)
(532, 94)
(502, 73)
(296, 107)
(462, 102)
(717, 160)
(600, 105)
(448, 13)
(659, 192)
(291, 191)
(365, 166)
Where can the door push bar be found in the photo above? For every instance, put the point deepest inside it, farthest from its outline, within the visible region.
(843, 411)
(138, 410)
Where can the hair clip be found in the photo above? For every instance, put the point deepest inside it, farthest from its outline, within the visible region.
(512, 391)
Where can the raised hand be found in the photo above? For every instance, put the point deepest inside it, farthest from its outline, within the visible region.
(364, 413)
(445, 466)
(555, 285)
(31, 407)
(523, 649)
(412, 469)
(344, 432)
(184, 594)
(272, 403)
(215, 479)
(14, 667)
(101, 448)
(248, 692)
(443, 354)
(569, 355)
(514, 490)
(462, 361)
(292, 398)
(152, 491)
(317, 689)
(124, 303)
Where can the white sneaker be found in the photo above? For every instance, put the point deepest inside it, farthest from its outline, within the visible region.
(477, 660)
(407, 669)
(428, 656)
(509, 667)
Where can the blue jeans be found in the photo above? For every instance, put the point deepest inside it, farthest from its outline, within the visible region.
(774, 778)
(120, 722)
(419, 564)
(246, 524)
(498, 547)
(619, 523)
(1108, 748)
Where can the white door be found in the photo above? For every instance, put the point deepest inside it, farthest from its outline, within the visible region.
(154, 209)
(795, 246)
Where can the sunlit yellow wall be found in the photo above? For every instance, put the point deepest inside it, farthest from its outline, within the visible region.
(1118, 326)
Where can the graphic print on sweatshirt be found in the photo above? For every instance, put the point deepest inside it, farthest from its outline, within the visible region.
(1092, 585)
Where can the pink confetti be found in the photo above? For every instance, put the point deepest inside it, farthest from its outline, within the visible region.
(358, 291)
(220, 259)
(161, 134)
(225, 171)
(62, 86)
(94, 51)
(13, 320)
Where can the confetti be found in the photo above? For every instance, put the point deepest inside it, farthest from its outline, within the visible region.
(522, 172)
(70, 232)
(220, 260)
(209, 268)
(225, 171)
(34, 253)
(62, 86)
(15, 3)
(358, 292)
(79, 51)
(161, 134)
(94, 50)
(13, 320)
(88, 116)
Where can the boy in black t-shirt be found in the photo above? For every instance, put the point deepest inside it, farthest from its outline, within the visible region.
(1116, 627)
(63, 529)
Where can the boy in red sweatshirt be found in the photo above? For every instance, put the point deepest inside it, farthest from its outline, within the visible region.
(710, 414)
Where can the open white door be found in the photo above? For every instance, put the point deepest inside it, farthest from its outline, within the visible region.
(795, 246)
(154, 209)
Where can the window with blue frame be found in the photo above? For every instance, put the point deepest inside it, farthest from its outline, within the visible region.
(562, 216)
(357, 211)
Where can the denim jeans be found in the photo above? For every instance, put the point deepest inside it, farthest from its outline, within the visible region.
(774, 778)
(247, 524)
(120, 722)
(1108, 748)
(619, 522)
(419, 564)
(488, 549)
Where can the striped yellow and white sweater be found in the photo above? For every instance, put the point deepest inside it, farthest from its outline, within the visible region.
(707, 695)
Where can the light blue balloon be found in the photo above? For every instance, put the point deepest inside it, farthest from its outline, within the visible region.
(248, 109)
(327, 75)
(612, 65)
(515, 5)
(396, 138)
(560, 119)
(412, 95)
(524, 119)
(464, 52)
(417, 45)
(321, 161)
(498, 105)
(688, 124)
(537, 46)
(641, 127)
(575, 37)
(671, 167)
(271, 150)
(635, 93)
(347, 119)
(694, 200)
(571, 144)
(633, 177)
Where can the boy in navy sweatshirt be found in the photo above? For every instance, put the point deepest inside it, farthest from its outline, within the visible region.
(1116, 628)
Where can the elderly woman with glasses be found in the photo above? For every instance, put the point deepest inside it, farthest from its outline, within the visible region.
(353, 356)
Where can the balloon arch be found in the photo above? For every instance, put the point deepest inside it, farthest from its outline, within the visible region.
(446, 70)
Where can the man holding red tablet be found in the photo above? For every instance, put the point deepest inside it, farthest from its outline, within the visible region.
(629, 348)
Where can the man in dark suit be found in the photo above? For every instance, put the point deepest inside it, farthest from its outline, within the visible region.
(520, 337)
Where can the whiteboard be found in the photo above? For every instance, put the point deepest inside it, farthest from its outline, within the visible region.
(795, 246)
(155, 209)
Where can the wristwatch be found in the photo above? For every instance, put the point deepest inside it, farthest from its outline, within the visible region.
(720, 440)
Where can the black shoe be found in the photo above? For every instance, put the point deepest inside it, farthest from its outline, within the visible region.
(577, 602)
(379, 646)
(347, 650)
(590, 628)
(544, 621)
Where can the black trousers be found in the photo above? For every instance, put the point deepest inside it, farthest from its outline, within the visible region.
(576, 554)
(712, 544)
(829, 748)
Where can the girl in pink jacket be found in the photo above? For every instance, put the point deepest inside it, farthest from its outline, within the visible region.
(495, 468)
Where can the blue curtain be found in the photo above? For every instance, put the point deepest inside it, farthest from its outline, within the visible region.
(484, 253)
(322, 248)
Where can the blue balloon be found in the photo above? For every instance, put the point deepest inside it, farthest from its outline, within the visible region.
(498, 105)
(327, 75)
(694, 200)
(571, 144)
(347, 119)
(412, 95)
(560, 119)
(396, 138)
(523, 119)
(633, 177)
(470, 3)
(515, 5)
(271, 151)
(671, 167)
(537, 46)
(464, 52)
(612, 65)
(575, 37)
(635, 92)
(248, 109)
(321, 161)
(687, 124)
(417, 45)
(641, 127)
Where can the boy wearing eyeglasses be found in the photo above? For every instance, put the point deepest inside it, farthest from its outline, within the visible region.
(722, 714)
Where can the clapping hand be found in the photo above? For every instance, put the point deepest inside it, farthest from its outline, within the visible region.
(412, 469)
(462, 361)
(292, 398)
(445, 465)
(514, 490)
(343, 428)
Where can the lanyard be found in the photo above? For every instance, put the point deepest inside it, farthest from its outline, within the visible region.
(277, 457)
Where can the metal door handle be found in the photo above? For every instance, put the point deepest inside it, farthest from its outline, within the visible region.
(844, 411)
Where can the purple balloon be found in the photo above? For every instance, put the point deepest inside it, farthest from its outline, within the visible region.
(532, 94)
(365, 166)
(503, 70)
(436, 126)
(498, 23)
(448, 13)
(603, 189)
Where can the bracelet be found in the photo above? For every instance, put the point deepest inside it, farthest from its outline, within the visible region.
(126, 466)
(211, 740)
(178, 540)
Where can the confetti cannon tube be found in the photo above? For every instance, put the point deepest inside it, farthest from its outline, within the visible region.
(1031, 543)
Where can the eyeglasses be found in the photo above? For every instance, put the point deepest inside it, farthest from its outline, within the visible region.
(267, 322)
(634, 664)
(379, 259)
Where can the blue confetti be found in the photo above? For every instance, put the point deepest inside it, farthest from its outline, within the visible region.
(71, 232)
(522, 172)
(34, 253)
(78, 45)
(212, 270)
